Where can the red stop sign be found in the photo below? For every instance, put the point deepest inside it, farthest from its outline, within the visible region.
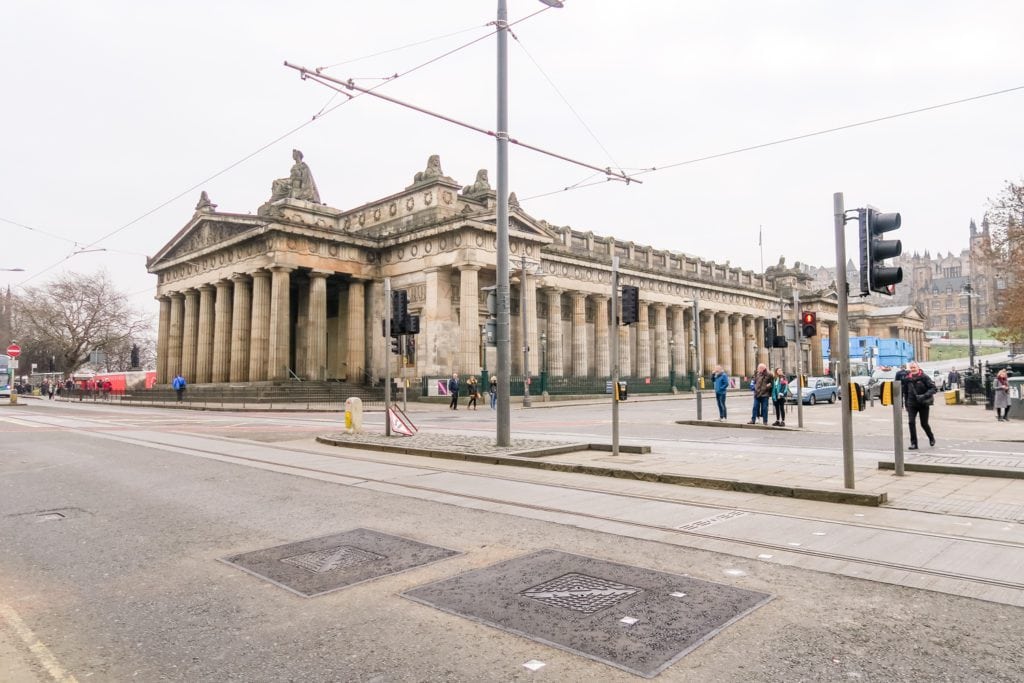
(13, 350)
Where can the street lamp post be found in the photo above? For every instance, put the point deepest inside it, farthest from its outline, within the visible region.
(969, 293)
(543, 362)
(504, 427)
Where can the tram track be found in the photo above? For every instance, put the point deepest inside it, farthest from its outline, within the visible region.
(104, 430)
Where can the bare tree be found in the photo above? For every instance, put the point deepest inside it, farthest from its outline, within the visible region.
(61, 322)
(1006, 217)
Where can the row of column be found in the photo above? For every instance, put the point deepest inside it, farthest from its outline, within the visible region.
(240, 329)
(661, 341)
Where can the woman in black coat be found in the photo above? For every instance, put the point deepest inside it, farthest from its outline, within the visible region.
(918, 395)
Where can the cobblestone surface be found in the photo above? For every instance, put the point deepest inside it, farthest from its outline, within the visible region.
(455, 443)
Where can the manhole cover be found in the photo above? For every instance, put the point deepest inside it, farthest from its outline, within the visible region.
(636, 619)
(321, 565)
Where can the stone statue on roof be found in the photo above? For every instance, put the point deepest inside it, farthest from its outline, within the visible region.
(298, 185)
(433, 169)
(480, 186)
(205, 205)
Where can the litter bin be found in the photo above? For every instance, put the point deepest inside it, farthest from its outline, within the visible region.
(952, 397)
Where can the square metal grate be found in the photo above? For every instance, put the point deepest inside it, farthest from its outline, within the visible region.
(329, 563)
(633, 618)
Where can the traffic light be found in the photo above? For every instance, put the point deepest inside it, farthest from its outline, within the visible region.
(411, 325)
(399, 309)
(809, 320)
(396, 345)
(874, 275)
(769, 333)
(630, 304)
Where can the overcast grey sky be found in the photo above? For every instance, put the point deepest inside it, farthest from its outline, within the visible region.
(112, 108)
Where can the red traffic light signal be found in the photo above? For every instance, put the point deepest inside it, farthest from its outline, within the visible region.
(809, 322)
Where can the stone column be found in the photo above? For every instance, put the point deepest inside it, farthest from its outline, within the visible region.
(204, 336)
(554, 332)
(835, 349)
(222, 332)
(357, 331)
(175, 324)
(681, 345)
(762, 350)
(259, 348)
(279, 340)
(709, 339)
(643, 340)
(301, 333)
(188, 335)
(660, 340)
(626, 352)
(162, 338)
(602, 360)
(241, 328)
(739, 355)
(515, 333)
(724, 340)
(749, 341)
(316, 337)
(579, 334)
(469, 319)
(817, 367)
(529, 299)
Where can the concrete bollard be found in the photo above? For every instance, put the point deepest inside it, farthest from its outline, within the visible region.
(353, 415)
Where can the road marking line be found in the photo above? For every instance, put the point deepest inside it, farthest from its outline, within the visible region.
(36, 646)
(20, 423)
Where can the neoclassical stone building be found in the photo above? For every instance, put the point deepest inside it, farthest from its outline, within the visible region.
(297, 291)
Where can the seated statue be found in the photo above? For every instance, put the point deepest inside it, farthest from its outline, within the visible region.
(480, 186)
(298, 185)
(433, 169)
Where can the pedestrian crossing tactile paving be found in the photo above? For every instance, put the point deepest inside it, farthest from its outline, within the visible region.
(636, 619)
(320, 565)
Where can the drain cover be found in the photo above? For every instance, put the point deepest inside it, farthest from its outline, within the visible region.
(329, 563)
(633, 618)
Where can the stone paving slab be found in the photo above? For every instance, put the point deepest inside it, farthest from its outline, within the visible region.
(528, 453)
(633, 618)
(321, 565)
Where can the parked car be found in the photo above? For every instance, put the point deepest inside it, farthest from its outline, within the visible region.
(818, 390)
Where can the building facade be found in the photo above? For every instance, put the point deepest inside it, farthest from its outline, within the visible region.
(296, 291)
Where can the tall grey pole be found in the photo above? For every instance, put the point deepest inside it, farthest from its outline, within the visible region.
(841, 347)
(613, 342)
(700, 359)
(970, 321)
(798, 333)
(504, 427)
(527, 402)
(897, 428)
(387, 356)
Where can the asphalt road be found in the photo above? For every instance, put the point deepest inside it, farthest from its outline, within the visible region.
(128, 585)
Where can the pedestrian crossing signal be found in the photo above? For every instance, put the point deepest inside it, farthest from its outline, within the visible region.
(809, 323)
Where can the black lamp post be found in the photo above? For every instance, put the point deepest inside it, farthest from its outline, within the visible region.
(672, 364)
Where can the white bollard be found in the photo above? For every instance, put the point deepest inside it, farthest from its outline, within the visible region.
(353, 415)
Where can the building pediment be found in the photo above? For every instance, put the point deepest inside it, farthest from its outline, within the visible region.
(204, 231)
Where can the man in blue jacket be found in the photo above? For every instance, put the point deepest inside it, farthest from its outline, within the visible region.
(453, 391)
(721, 380)
(179, 384)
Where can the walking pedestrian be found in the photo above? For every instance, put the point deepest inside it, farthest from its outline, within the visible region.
(453, 391)
(918, 396)
(179, 384)
(1002, 398)
(493, 391)
(472, 388)
(780, 390)
(953, 379)
(721, 381)
(762, 392)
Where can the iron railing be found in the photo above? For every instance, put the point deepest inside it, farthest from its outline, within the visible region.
(305, 396)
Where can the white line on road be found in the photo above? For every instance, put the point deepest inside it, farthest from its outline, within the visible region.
(20, 423)
(36, 646)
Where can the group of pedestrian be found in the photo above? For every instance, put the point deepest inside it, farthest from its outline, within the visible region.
(765, 385)
(472, 391)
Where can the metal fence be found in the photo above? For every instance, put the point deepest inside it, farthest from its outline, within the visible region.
(582, 386)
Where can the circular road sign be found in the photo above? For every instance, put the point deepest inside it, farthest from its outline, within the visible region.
(13, 350)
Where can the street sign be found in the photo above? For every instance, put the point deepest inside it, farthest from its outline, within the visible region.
(13, 350)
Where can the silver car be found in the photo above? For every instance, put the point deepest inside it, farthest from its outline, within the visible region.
(817, 390)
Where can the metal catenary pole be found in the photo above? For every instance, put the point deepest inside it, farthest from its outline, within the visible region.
(387, 356)
(897, 427)
(527, 401)
(798, 333)
(842, 345)
(699, 357)
(613, 342)
(504, 417)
